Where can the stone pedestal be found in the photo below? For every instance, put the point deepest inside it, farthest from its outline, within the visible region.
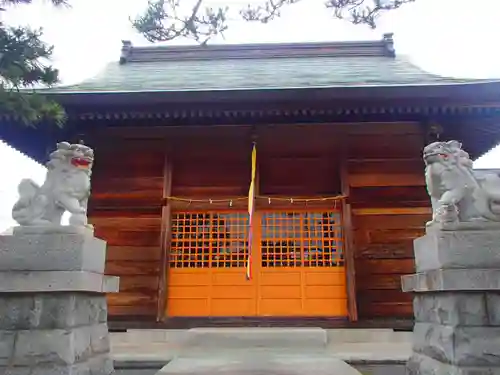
(53, 312)
(456, 303)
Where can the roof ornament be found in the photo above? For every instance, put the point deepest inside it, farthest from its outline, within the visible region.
(126, 50)
(389, 44)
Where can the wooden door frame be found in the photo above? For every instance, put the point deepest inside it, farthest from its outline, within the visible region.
(346, 223)
(256, 261)
(256, 248)
(347, 226)
(165, 238)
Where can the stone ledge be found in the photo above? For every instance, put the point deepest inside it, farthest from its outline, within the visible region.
(57, 281)
(52, 230)
(479, 225)
(52, 252)
(458, 249)
(443, 280)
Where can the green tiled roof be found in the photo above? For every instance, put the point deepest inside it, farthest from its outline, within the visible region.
(227, 67)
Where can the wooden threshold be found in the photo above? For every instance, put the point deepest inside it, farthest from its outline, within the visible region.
(125, 323)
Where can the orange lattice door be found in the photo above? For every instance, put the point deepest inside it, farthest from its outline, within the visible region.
(301, 270)
(207, 265)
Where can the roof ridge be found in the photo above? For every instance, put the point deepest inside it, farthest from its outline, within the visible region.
(378, 48)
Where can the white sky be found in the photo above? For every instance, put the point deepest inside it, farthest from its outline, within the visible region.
(441, 36)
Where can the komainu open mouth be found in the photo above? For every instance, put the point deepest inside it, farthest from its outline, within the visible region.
(441, 154)
(81, 162)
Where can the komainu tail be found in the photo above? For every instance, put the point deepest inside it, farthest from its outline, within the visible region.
(487, 196)
(491, 185)
(25, 210)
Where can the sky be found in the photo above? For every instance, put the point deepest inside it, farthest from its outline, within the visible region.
(441, 36)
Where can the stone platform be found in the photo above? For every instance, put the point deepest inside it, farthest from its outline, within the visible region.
(356, 345)
(252, 363)
(375, 351)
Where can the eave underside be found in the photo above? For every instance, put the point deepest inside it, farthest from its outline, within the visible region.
(470, 113)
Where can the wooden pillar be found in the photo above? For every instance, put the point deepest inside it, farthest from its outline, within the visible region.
(348, 240)
(165, 238)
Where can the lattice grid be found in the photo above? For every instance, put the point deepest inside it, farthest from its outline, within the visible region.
(301, 239)
(209, 240)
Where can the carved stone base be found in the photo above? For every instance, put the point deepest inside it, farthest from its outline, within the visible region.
(33, 249)
(422, 365)
(456, 303)
(456, 333)
(458, 249)
(468, 346)
(47, 334)
(53, 311)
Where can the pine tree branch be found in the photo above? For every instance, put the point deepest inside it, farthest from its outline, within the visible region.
(6, 3)
(267, 12)
(161, 21)
(363, 11)
(355, 11)
(23, 66)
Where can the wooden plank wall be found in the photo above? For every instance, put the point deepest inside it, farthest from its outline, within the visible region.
(127, 203)
(310, 176)
(210, 175)
(387, 195)
(125, 208)
(389, 209)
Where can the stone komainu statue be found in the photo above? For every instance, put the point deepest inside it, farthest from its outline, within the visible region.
(66, 188)
(457, 195)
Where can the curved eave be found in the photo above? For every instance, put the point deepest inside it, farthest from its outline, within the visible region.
(314, 104)
(468, 93)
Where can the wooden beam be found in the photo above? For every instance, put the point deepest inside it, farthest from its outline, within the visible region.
(165, 238)
(393, 211)
(349, 243)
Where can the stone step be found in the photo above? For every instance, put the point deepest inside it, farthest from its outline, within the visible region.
(252, 364)
(247, 338)
(353, 335)
(147, 336)
(334, 336)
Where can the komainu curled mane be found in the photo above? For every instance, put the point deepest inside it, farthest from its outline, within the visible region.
(66, 188)
(457, 195)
